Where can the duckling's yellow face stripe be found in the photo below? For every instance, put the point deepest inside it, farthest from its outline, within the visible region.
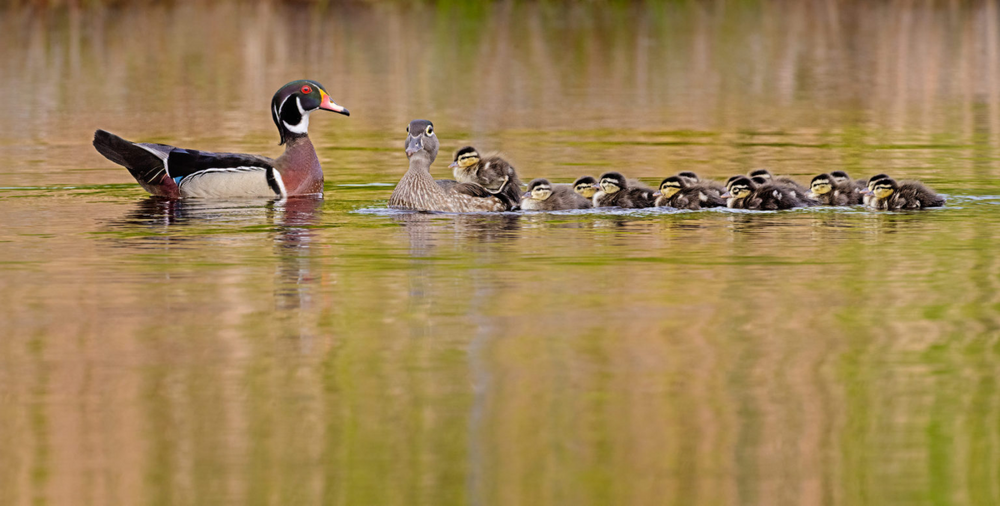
(467, 160)
(609, 186)
(821, 187)
(740, 191)
(669, 189)
(541, 192)
(586, 190)
(883, 191)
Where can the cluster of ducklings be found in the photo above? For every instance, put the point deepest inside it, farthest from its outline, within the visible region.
(759, 190)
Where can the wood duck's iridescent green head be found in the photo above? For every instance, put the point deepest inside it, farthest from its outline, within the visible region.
(670, 186)
(883, 188)
(420, 138)
(538, 189)
(840, 176)
(292, 104)
(821, 184)
(465, 158)
(586, 187)
(613, 182)
(739, 187)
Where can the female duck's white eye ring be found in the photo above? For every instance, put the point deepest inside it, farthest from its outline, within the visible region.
(430, 130)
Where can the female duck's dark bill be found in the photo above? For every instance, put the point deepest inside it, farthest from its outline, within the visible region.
(330, 105)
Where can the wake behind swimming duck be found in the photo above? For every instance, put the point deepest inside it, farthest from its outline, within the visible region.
(417, 190)
(167, 171)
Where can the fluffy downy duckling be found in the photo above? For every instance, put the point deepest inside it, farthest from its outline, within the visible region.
(675, 191)
(586, 187)
(418, 191)
(745, 194)
(866, 194)
(490, 172)
(858, 185)
(888, 195)
(825, 189)
(692, 179)
(544, 196)
(615, 191)
(800, 191)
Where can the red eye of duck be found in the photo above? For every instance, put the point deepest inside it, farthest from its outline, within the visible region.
(307, 89)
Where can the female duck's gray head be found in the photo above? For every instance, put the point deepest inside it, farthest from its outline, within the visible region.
(292, 104)
(420, 138)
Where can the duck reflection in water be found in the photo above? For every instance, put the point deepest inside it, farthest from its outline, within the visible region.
(182, 223)
(428, 230)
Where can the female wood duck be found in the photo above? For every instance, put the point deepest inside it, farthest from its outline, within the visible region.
(615, 191)
(888, 195)
(490, 172)
(745, 194)
(825, 189)
(586, 187)
(418, 191)
(171, 172)
(544, 196)
(677, 192)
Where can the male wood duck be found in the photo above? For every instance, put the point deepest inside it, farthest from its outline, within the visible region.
(491, 172)
(544, 196)
(418, 191)
(888, 195)
(167, 171)
(615, 191)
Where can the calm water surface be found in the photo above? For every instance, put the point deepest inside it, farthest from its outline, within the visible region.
(334, 352)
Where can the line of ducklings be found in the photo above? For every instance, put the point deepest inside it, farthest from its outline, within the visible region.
(759, 190)
(490, 183)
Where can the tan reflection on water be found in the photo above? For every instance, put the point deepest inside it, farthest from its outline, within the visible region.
(303, 353)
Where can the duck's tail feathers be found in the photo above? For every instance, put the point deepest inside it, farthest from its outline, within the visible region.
(146, 162)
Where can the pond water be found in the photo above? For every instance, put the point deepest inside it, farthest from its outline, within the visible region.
(335, 352)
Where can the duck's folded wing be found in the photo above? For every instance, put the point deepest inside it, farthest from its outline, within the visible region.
(207, 174)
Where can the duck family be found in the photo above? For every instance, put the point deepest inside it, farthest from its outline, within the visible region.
(482, 183)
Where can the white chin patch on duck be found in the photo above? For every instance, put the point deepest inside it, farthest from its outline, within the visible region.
(303, 126)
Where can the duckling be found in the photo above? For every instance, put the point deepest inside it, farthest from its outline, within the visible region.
(676, 192)
(866, 194)
(544, 196)
(418, 191)
(585, 187)
(827, 191)
(890, 196)
(744, 193)
(800, 191)
(490, 172)
(858, 185)
(692, 179)
(615, 191)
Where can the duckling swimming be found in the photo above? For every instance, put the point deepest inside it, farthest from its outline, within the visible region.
(800, 191)
(745, 194)
(888, 195)
(544, 196)
(692, 179)
(866, 194)
(616, 192)
(418, 191)
(858, 185)
(490, 172)
(825, 189)
(586, 187)
(675, 191)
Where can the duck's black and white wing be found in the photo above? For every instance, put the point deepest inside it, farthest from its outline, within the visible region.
(206, 174)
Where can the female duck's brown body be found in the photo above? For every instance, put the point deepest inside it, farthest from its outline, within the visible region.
(418, 191)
